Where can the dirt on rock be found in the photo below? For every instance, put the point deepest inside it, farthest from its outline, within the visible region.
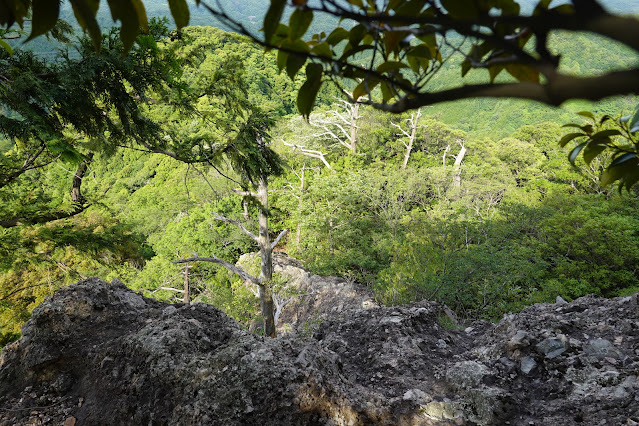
(97, 353)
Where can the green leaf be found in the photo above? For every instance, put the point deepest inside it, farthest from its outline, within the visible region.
(494, 71)
(293, 64)
(272, 18)
(364, 88)
(392, 40)
(45, 16)
(421, 50)
(591, 151)
(6, 47)
(465, 67)
(282, 56)
(390, 66)
(587, 114)
(523, 72)
(299, 22)
(634, 122)
(567, 138)
(605, 134)
(322, 49)
(461, 9)
(356, 34)
(618, 171)
(410, 8)
(337, 35)
(125, 11)
(623, 158)
(180, 12)
(85, 11)
(308, 92)
(387, 93)
(575, 153)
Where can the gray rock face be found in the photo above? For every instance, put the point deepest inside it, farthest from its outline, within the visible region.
(99, 354)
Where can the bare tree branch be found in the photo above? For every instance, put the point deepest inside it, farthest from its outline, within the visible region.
(236, 270)
(236, 223)
(279, 237)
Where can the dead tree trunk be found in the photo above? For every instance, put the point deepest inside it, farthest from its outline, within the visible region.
(412, 126)
(266, 254)
(341, 127)
(187, 292)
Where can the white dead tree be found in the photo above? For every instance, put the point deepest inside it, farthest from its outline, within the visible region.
(410, 134)
(458, 160)
(302, 150)
(340, 126)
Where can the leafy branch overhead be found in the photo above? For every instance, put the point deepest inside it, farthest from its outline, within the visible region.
(618, 137)
(389, 54)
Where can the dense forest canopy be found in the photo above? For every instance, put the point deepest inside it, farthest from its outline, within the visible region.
(471, 203)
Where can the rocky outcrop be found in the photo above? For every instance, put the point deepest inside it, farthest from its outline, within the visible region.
(313, 298)
(99, 354)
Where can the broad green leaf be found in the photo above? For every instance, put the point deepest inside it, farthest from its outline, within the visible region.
(634, 122)
(567, 138)
(605, 134)
(523, 72)
(293, 64)
(587, 114)
(392, 39)
(85, 11)
(356, 34)
(631, 178)
(143, 21)
(414, 63)
(623, 158)
(421, 50)
(410, 8)
(337, 35)
(282, 56)
(616, 172)
(461, 9)
(272, 18)
(357, 3)
(45, 16)
(364, 88)
(591, 151)
(308, 92)
(494, 71)
(390, 66)
(322, 49)
(575, 153)
(6, 47)
(180, 12)
(387, 93)
(125, 12)
(465, 67)
(299, 22)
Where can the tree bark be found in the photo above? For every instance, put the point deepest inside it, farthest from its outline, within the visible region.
(266, 256)
(413, 131)
(354, 127)
(187, 293)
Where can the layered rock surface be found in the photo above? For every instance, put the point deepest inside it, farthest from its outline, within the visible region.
(99, 354)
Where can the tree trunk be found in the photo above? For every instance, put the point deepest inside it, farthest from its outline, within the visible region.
(411, 139)
(266, 255)
(187, 294)
(457, 166)
(354, 127)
